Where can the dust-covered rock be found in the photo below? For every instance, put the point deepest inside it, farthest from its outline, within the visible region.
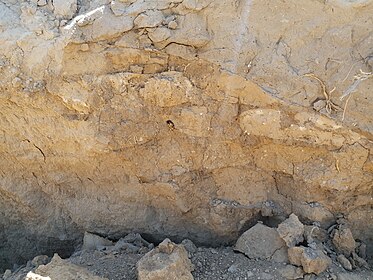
(261, 242)
(292, 272)
(93, 242)
(166, 261)
(291, 231)
(344, 262)
(312, 260)
(61, 269)
(344, 241)
(39, 260)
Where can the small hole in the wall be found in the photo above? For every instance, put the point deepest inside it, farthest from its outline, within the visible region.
(170, 124)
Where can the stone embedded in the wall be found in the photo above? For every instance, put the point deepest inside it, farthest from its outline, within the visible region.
(194, 121)
(98, 24)
(149, 18)
(160, 34)
(65, 8)
(168, 89)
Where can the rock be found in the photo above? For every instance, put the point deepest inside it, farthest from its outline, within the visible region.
(360, 262)
(344, 262)
(94, 242)
(348, 276)
(150, 18)
(7, 274)
(291, 231)
(314, 212)
(65, 8)
(172, 24)
(292, 272)
(233, 268)
(344, 241)
(62, 270)
(189, 246)
(260, 242)
(295, 255)
(39, 260)
(167, 261)
(314, 261)
(362, 250)
(159, 34)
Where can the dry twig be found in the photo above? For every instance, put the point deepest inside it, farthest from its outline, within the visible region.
(330, 105)
(351, 89)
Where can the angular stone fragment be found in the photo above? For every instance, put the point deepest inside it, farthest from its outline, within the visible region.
(93, 242)
(65, 8)
(189, 246)
(360, 262)
(260, 242)
(160, 34)
(314, 212)
(39, 260)
(314, 261)
(62, 270)
(150, 18)
(167, 261)
(344, 262)
(295, 255)
(292, 272)
(344, 241)
(291, 231)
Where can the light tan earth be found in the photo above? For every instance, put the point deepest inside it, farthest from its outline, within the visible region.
(181, 119)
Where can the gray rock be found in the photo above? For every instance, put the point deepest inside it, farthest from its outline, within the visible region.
(189, 246)
(344, 241)
(360, 262)
(292, 272)
(344, 262)
(7, 274)
(260, 242)
(93, 242)
(291, 231)
(39, 260)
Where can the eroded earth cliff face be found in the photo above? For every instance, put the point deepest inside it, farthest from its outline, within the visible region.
(181, 118)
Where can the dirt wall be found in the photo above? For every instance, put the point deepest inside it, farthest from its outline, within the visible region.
(181, 118)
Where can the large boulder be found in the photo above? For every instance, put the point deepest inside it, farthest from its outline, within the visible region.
(262, 242)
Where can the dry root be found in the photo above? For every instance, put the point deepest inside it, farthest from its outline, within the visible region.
(330, 105)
